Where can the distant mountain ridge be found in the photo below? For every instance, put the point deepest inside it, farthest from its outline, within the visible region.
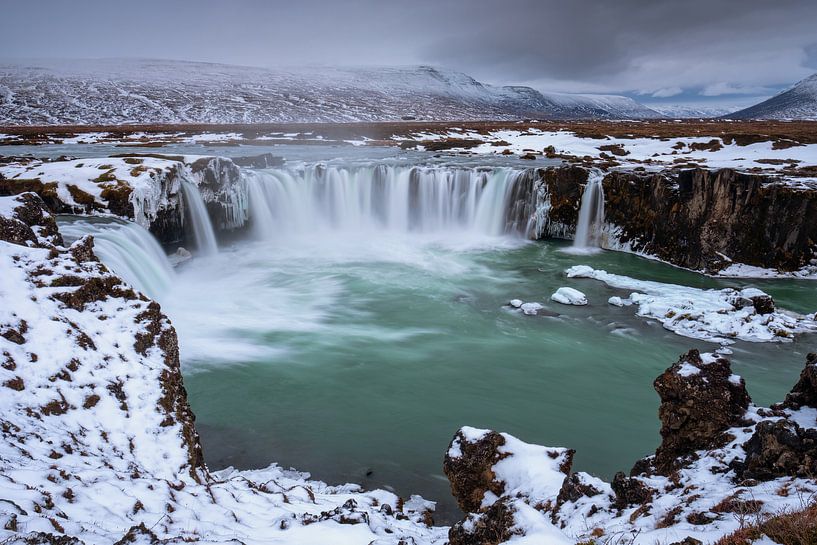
(119, 91)
(798, 102)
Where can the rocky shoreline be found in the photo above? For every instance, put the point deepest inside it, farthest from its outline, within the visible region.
(95, 419)
(722, 461)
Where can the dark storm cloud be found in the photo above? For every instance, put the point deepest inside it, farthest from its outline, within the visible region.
(660, 48)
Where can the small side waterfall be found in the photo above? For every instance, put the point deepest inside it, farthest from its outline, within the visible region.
(591, 214)
(203, 232)
(376, 198)
(127, 249)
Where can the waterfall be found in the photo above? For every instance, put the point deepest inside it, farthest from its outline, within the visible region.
(126, 248)
(591, 214)
(203, 232)
(399, 199)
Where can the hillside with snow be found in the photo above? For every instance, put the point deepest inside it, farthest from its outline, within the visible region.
(118, 91)
(799, 102)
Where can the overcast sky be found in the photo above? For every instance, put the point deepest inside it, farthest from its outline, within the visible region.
(664, 50)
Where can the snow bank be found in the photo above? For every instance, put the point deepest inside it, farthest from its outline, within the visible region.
(711, 315)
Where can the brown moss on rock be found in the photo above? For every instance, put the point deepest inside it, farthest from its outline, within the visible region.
(31, 212)
(83, 250)
(96, 289)
(15, 383)
(780, 449)
(173, 401)
(495, 525)
(471, 474)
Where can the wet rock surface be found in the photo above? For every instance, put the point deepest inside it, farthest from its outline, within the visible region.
(265, 160)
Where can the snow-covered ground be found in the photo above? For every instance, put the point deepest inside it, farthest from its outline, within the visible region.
(648, 153)
(97, 436)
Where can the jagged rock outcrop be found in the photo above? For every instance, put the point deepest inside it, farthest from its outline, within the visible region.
(713, 468)
(75, 280)
(701, 219)
(780, 449)
(489, 480)
(471, 471)
(700, 400)
(804, 393)
(29, 223)
(219, 181)
(146, 188)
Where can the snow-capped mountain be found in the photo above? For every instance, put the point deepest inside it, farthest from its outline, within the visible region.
(115, 91)
(799, 102)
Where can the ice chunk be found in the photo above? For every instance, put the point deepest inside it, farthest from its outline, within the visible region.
(531, 308)
(569, 296)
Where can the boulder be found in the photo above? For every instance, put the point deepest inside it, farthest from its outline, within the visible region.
(630, 491)
(700, 400)
(804, 393)
(780, 448)
(496, 525)
(469, 465)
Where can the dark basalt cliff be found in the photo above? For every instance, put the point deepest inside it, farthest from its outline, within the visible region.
(693, 218)
(698, 219)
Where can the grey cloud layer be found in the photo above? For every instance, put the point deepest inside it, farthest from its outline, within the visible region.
(662, 48)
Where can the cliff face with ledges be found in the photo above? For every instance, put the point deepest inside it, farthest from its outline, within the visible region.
(702, 219)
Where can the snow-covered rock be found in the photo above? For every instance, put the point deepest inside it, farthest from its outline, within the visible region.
(711, 315)
(569, 296)
(519, 493)
(146, 189)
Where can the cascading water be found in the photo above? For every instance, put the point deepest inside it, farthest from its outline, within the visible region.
(203, 232)
(591, 215)
(127, 249)
(397, 199)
